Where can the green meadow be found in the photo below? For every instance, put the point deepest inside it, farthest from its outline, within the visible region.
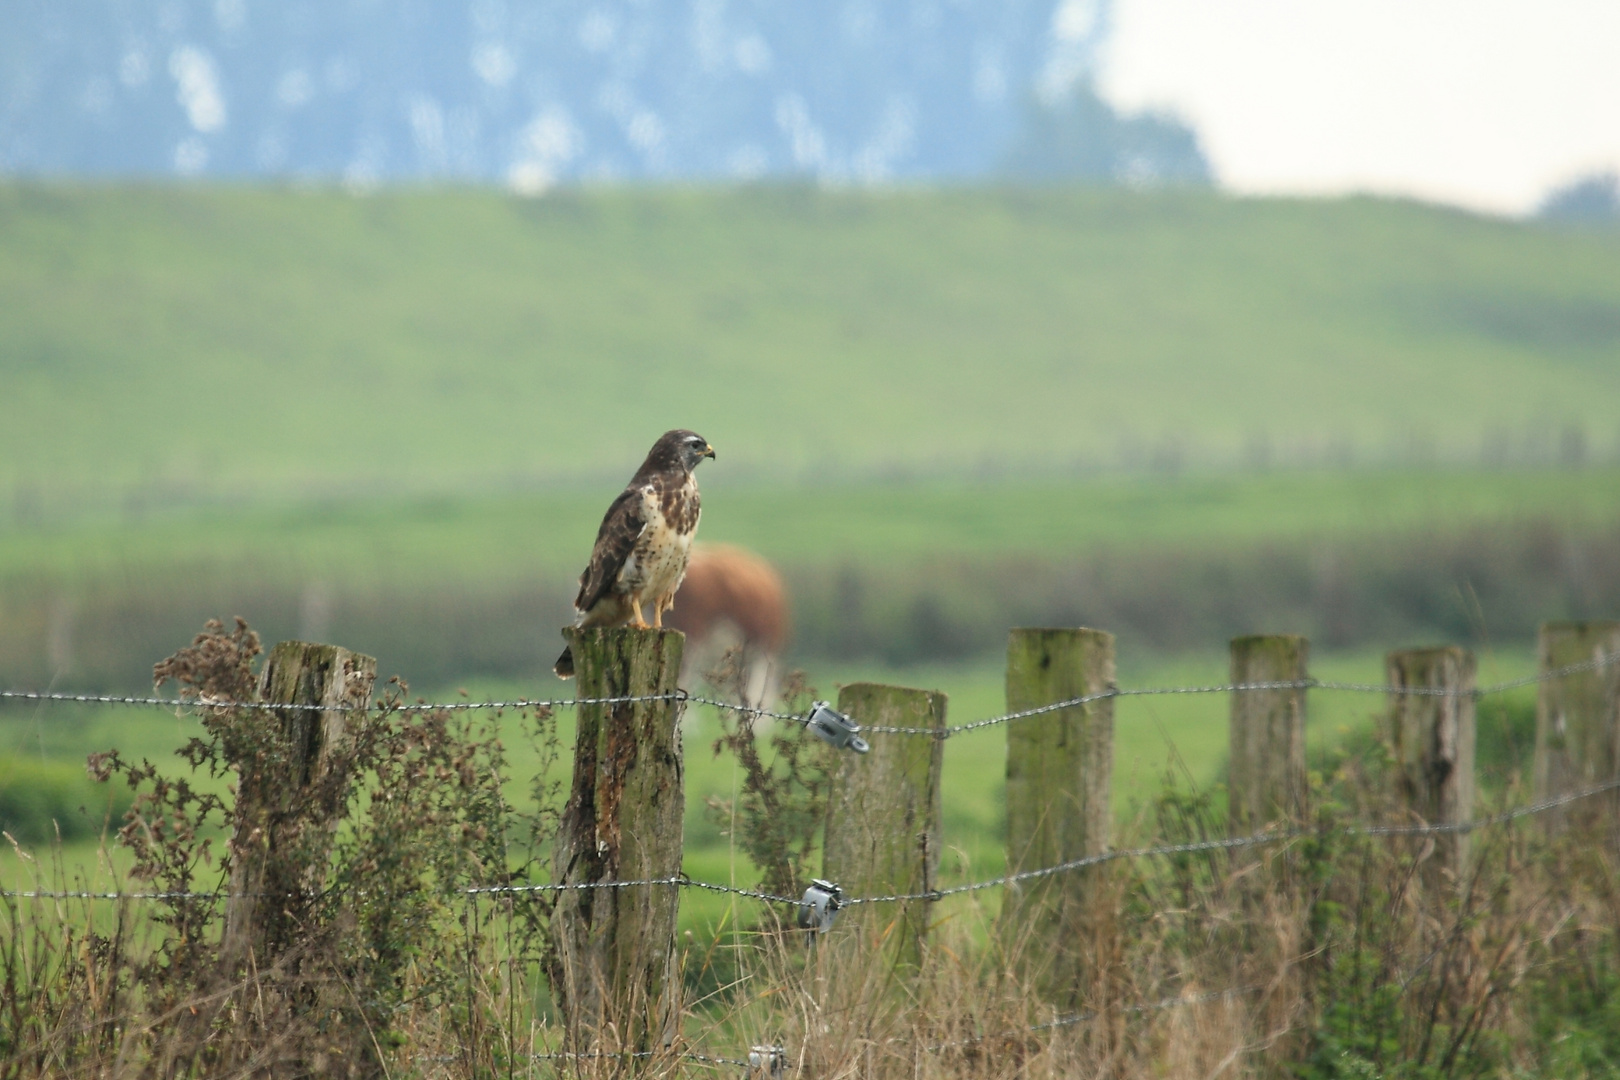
(237, 343)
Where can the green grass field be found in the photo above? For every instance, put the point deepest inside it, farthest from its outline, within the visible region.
(244, 343)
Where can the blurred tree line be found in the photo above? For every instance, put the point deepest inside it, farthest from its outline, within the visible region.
(1474, 585)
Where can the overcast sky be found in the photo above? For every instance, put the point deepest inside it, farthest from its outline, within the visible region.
(1483, 103)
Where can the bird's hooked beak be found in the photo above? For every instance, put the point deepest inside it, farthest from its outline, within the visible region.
(708, 451)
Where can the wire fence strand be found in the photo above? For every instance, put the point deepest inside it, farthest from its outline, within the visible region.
(418, 706)
(681, 696)
(1273, 836)
(684, 882)
(681, 881)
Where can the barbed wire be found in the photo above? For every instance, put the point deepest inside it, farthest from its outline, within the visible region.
(681, 881)
(76, 894)
(1229, 688)
(419, 706)
(946, 732)
(633, 1055)
(1273, 836)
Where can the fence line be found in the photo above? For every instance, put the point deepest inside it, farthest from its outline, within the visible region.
(602, 1055)
(1445, 689)
(421, 706)
(938, 733)
(1271, 836)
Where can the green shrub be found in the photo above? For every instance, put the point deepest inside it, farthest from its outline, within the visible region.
(41, 800)
(1506, 739)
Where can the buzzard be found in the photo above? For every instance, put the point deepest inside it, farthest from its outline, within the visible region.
(642, 546)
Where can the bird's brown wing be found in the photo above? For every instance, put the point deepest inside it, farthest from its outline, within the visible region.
(615, 540)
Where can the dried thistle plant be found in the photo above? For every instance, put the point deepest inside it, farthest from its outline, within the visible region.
(783, 802)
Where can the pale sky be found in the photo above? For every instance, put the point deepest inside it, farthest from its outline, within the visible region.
(1482, 103)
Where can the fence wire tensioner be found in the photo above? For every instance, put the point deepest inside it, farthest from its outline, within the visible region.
(821, 902)
(830, 725)
(767, 1062)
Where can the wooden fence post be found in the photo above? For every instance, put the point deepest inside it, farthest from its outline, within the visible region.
(616, 979)
(1059, 775)
(1578, 715)
(883, 814)
(1433, 739)
(290, 795)
(1266, 783)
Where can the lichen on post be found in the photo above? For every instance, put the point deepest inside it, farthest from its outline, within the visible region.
(883, 819)
(1432, 736)
(615, 976)
(291, 795)
(1578, 715)
(1266, 780)
(1059, 777)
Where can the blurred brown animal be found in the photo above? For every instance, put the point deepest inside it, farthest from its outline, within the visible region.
(732, 597)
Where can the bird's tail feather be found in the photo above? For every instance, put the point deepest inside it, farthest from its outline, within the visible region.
(564, 666)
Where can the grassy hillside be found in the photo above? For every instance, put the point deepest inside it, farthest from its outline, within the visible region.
(252, 342)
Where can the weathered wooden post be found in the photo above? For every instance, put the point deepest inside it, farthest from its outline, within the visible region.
(1059, 776)
(616, 979)
(1578, 715)
(1266, 788)
(290, 795)
(883, 813)
(1433, 738)
(1266, 781)
(293, 775)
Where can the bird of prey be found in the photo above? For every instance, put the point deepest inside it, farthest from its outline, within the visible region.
(643, 544)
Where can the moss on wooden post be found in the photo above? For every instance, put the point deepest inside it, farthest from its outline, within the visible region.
(616, 978)
(1578, 715)
(1059, 775)
(290, 795)
(1266, 780)
(1432, 736)
(883, 815)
